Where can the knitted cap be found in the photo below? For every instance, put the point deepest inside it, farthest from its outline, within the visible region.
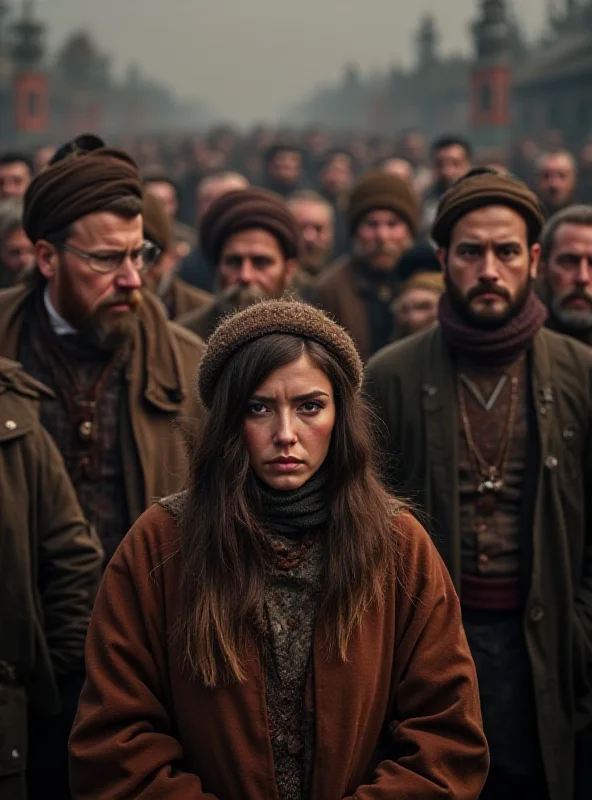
(482, 188)
(275, 316)
(419, 258)
(242, 210)
(380, 191)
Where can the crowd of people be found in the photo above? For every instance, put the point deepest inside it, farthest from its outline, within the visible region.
(295, 451)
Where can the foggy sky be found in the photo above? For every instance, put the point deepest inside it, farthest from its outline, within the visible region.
(247, 59)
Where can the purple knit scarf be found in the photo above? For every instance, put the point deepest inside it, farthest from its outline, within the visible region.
(497, 346)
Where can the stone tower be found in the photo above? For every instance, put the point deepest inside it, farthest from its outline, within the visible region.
(490, 79)
(30, 83)
(428, 41)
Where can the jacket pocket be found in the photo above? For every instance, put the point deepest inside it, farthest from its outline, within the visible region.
(13, 730)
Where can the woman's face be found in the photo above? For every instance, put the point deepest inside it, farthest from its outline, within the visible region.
(288, 424)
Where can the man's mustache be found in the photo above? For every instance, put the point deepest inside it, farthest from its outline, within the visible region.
(133, 299)
(488, 288)
(577, 294)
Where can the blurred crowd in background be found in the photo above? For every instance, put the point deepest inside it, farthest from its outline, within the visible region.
(314, 171)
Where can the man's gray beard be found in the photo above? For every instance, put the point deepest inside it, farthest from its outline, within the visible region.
(574, 320)
(235, 298)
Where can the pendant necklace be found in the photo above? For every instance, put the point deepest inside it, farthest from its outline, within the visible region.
(490, 476)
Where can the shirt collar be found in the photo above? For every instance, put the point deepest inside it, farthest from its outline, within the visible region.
(58, 324)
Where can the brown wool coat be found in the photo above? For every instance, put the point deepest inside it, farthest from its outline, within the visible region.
(336, 293)
(400, 718)
(161, 396)
(412, 385)
(202, 321)
(187, 298)
(50, 566)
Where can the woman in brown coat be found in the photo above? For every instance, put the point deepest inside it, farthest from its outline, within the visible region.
(284, 629)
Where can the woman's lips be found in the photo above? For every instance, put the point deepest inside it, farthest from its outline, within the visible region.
(285, 465)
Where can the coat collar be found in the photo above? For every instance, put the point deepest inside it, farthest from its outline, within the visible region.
(156, 360)
(156, 356)
(17, 417)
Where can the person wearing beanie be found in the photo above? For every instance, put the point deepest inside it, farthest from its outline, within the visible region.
(284, 623)
(177, 297)
(415, 307)
(358, 289)
(85, 327)
(253, 239)
(488, 428)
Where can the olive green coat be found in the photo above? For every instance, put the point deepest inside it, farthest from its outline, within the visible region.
(50, 566)
(412, 385)
(160, 396)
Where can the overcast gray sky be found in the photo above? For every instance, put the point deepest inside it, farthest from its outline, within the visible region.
(249, 58)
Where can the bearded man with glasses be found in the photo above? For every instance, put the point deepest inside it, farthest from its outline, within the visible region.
(120, 373)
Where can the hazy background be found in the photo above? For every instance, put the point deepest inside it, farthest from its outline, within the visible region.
(248, 59)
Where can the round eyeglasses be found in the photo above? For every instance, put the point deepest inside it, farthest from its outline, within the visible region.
(142, 258)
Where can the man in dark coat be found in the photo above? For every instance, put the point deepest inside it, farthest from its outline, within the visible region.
(358, 290)
(488, 423)
(195, 269)
(566, 272)
(49, 574)
(254, 240)
(120, 373)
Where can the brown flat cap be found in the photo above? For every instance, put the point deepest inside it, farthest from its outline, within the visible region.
(242, 210)
(275, 316)
(158, 227)
(482, 188)
(80, 184)
(378, 190)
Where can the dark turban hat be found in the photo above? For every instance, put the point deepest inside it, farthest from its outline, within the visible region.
(79, 184)
(482, 188)
(242, 210)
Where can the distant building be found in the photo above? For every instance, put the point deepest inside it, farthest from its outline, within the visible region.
(553, 89)
(45, 98)
(504, 92)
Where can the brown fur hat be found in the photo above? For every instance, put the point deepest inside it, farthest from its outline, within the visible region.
(275, 316)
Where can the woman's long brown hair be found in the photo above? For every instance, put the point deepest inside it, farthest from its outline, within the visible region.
(223, 560)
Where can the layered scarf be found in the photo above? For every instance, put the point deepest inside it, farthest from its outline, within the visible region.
(495, 346)
(296, 511)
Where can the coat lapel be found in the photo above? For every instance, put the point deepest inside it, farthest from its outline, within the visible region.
(439, 408)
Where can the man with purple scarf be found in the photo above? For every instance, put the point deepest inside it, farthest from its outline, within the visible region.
(488, 430)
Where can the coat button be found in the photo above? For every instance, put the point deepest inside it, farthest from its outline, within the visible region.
(431, 391)
(536, 613)
(551, 462)
(85, 429)
(10, 425)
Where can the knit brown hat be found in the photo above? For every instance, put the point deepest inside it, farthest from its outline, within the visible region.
(242, 210)
(80, 184)
(380, 191)
(158, 227)
(487, 188)
(275, 316)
